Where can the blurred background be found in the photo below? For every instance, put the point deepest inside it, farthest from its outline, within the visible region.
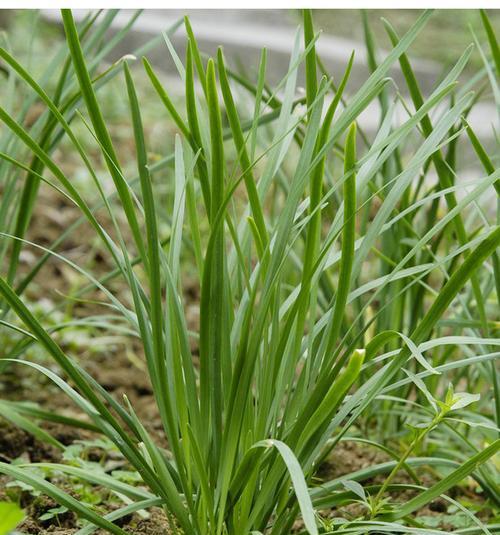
(243, 33)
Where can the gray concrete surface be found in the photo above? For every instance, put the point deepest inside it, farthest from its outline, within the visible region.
(243, 33)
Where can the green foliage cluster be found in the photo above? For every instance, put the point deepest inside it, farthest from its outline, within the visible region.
(345, 280)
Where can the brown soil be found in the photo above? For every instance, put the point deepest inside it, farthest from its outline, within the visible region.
(347, 457)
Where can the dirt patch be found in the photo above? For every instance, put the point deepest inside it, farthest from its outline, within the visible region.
(67, 523)
(348, 457)
(156, 524)
(16, 443)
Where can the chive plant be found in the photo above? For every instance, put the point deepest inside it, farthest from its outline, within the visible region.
(345, 279)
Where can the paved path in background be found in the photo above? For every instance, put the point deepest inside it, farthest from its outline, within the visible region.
(243, 33)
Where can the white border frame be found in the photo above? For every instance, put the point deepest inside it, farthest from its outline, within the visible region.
(255, 4)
